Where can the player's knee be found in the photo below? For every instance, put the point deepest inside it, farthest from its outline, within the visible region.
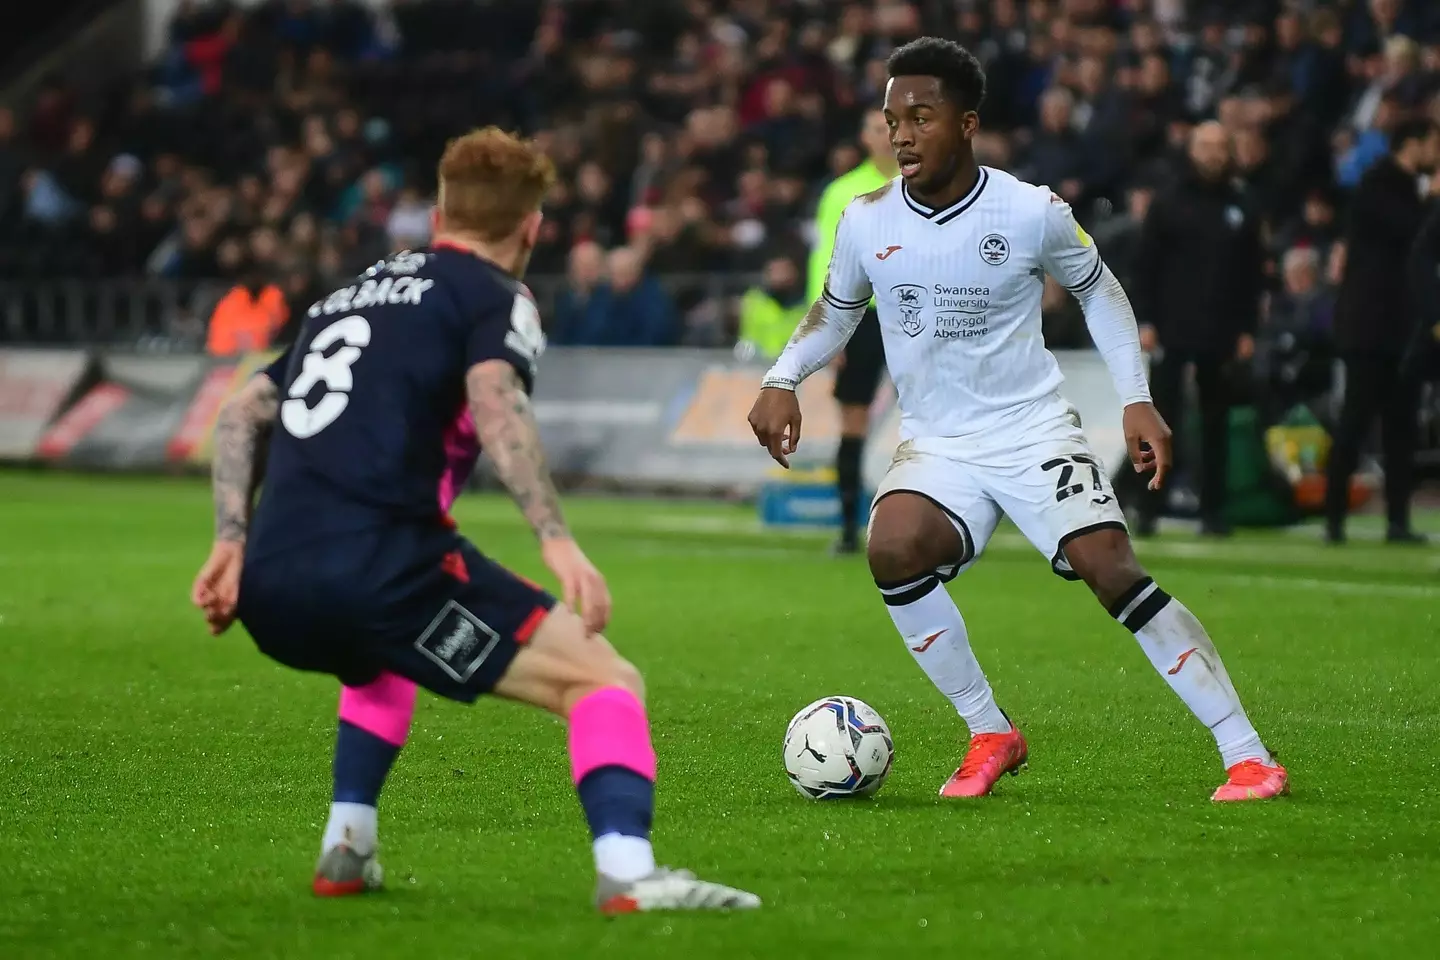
(1106, 562)
(601, 673)
(624, 674)
(897, 555)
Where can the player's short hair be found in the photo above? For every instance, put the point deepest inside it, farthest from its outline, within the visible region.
(959, 73)
(490, 181)
(1411, 130)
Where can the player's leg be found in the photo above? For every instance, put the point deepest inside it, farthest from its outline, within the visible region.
(476, 628)
(926, 525)
(1180, 649)
(373, 726)
(579, 676)
(855, 385)
(1064, 504)
(291, 607)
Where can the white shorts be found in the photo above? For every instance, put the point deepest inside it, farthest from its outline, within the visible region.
(1043, 476)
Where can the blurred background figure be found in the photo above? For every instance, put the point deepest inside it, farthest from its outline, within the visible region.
(1196, 284)
(699, 144)
(859, 368)
(1294, 353)
(770, 312)
(249, 317)
(1375, 319)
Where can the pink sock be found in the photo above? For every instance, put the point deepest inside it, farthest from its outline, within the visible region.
(383, 707)
(608, 728)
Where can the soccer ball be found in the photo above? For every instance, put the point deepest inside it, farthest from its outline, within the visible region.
(838, 747)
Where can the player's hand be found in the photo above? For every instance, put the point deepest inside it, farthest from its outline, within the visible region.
(1147, 436)
(581, 586)
(775, 418)
(217, 586)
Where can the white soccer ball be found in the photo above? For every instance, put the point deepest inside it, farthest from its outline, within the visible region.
(838, 747)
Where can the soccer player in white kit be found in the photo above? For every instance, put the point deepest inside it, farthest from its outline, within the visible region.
(956, 255)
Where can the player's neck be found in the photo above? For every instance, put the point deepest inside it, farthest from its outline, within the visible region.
(962, 183)
(506, 256)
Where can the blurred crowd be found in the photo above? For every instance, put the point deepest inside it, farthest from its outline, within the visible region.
(284, 145)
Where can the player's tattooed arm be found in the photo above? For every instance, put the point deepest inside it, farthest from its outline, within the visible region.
(505, 424)
(242, 433)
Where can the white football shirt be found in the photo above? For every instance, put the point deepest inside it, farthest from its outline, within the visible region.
(958, 294)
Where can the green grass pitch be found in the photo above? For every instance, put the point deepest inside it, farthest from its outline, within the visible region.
(162, 792)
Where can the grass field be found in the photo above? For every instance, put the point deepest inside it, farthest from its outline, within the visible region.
(162, 792)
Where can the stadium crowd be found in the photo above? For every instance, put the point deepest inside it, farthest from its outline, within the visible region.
(284, 145)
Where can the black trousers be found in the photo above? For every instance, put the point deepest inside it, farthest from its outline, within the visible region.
(1373, 385)
(1167, 380)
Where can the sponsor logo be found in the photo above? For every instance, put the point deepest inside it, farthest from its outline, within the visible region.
(994, 249)
(1180, 662)
(968, 299)
(909, 299)
(961, 326)
(819, 757)
(888, 250)
(928, 640)
(457, 642)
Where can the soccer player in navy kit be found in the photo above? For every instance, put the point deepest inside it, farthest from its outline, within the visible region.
(352, 566)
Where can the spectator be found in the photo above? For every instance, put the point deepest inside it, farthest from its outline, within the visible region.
(1057, 157)
(1315, 228)
(1295, 352)
(1374, 320)
(628, 309)
(1119, 236)
(1196, 288)
(46, 202)
(770, 312)
(584, 275)
(409, 223)
(248, 317)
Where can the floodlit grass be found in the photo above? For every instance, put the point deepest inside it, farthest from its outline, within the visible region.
(162, 792)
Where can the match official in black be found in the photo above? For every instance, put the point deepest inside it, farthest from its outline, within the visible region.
(1196, 287)
(1375, 320)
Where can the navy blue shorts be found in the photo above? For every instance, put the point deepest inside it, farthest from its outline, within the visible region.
(423, 604)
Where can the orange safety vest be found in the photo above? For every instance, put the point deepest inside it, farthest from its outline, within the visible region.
(243, 323)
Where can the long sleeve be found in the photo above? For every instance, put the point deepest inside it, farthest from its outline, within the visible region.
(844, 293)
(1069, 255)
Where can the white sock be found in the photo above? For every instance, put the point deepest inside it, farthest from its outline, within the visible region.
(935, 634)
(356, 825)
(623, 858)
(1182, 652)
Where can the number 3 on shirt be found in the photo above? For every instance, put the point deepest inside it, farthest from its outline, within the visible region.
(297, 416)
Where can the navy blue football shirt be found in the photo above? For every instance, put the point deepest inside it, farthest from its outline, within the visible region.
(373, 427)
